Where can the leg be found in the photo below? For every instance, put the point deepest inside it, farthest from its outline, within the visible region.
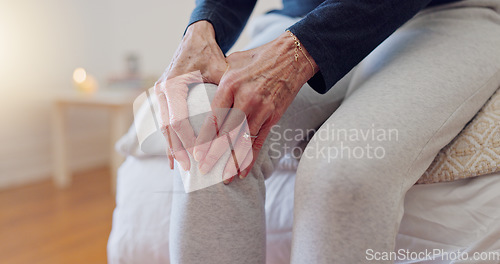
(424, 83)
(226, 224)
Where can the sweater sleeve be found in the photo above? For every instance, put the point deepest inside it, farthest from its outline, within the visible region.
(228, 18)
(340, 33)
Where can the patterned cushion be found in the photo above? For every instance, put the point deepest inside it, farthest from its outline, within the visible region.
(474, 152)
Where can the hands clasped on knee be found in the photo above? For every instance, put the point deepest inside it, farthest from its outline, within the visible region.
(255, 87)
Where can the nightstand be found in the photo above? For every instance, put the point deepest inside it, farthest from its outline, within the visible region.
(119, 105)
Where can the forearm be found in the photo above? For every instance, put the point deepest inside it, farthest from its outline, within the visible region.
(339, 34)
(228, 18)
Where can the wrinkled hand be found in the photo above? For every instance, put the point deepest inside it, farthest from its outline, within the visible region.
(261, 83)
(197, 59)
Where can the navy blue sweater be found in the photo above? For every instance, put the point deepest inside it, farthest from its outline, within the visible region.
(337, 33)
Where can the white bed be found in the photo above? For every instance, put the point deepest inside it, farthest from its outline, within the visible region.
(460, 216)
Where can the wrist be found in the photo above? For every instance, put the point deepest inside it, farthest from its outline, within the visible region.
(305, 64)
(201, 28)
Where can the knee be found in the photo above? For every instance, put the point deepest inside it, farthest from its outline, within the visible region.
(325, 180)
(346, 181)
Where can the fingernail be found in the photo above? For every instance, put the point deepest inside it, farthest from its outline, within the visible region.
(171, 162)
(197, 156)
(226, 175)
(184, 165)
(228, 181)
(203, 168)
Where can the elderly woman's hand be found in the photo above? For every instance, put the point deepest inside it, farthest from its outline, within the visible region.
(262, 83)
(197, 59)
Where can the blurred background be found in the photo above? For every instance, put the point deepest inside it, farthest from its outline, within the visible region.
(69, 70)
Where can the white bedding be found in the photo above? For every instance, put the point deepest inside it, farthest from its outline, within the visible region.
(461, 216)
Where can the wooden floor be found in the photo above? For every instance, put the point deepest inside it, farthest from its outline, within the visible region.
(40, 224)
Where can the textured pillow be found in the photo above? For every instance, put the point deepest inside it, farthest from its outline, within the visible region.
(474, 152)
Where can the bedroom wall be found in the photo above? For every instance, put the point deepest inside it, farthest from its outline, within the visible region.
(42, 42)
(40, 45)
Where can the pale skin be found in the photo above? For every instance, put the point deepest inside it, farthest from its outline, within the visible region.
(261, 82)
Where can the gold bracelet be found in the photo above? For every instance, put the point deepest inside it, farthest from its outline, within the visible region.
(298, 47)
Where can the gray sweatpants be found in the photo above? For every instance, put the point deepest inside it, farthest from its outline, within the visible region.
(376, 132)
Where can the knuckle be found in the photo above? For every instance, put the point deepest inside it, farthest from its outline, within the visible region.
(221, 140)
(202, 147)
(245, 145)
(258, 143)
(269, 106)
(211, 158)
(254, 130)
(255, 100)
(249, 105)
(157, 87)
(223, 131)
(163, 129)
(177, 125)
(231, 80)
(233, 133)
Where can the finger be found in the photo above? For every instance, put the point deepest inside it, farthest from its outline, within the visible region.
(243, 146)
(162, 109)
(256, 147)
(246, 164)
(171, 161)
(221, 104)
(228, 181)
(241, 149)
(170, 153)
(255, 122)
(177, 150)
(261, 137)
(176, 91)
(210, 130)
(174, 144)
(229, 163)
(227, 137)
(249, 164)
(233, 169)
(163, 122)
